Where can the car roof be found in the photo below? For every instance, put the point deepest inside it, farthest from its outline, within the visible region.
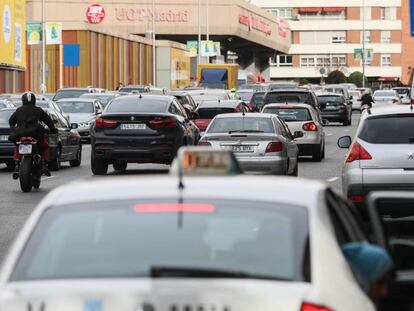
(340, 86)
(225, 187)
(206, 92)
(290, 105)
(329, 94)
(246, 115)
(387, 110)
(165, 98)
(75, 89)
(219, 104)
(77, 99)
(290, 90)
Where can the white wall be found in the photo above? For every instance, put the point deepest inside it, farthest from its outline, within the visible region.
(322, 3)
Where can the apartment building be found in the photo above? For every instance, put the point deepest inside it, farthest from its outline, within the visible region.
(326, 36)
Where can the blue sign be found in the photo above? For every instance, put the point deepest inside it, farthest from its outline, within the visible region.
(412, 17)
(92, 304)
(71, 54)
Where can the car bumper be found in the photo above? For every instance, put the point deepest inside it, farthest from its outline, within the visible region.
(335, 116)
(6, 152)
(308, 149)
(84, 133)
(270, 165)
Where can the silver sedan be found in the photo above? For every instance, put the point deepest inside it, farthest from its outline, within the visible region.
(261, 142)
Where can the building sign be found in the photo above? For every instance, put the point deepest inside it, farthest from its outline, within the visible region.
(34, 33)
(142, 14)
(253, 23)
(95, 13)
(192, 48)
(412, 17)
(283, 28)
(53, 33)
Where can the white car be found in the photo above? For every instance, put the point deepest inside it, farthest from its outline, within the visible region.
(355, 99)
(301, 117)
(196, 243)
(386, 97)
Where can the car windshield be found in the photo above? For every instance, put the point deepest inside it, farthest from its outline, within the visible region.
(132, 89)
(334, 90)
(199, 98)
(136, 104)
(5, 116)
(290, 114)
(131, 239)
(76, 107)
(210, 113)
(330, 99)
(402, 91)
(246, 96)
(391, 129)
(301, 97)
(69, 94)
(241, 124)
(384, 94)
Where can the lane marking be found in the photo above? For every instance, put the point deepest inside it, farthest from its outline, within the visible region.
(333, 179)
(329, 134)
(46, 178)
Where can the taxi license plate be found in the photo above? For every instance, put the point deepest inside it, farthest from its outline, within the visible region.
(134, 126)
(25, 149)
(4, 137)
(331, 108)
(241, 148)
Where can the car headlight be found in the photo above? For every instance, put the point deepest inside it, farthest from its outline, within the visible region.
(84, 124)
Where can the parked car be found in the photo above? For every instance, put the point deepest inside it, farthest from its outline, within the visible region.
(335, 108)
(103, 98)
(207, 111)
(185, 100)
(339, 89)
(386, 97)
(81, 111)
(140, 129)
(349, 86)
(380, 156)
(404, 93)
(261, 142)
(65, 147)
(72, 92)
(301, 117)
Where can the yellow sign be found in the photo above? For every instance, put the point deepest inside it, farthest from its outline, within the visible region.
(12, 33)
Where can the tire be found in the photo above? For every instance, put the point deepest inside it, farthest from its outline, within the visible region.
(120, 165)
(77, 162)
(317, 154)
(98, 166)
(56, 163)
(25, 174)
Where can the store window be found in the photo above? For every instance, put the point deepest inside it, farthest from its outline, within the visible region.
(367, 36)
(389, 13)
(385, 60)
(385, 36)
(338, 37)
(281, 61)
(281, 12)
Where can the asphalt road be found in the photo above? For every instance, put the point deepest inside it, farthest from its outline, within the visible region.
(16, 206)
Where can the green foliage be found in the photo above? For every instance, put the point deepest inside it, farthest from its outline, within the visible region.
(356, 78)
(336, 77)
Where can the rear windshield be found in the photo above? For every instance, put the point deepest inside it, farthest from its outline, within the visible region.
(69, 94)
(335, 90)
(290, 114)
(394, 129)
(228, 125)
(210, 113)
(330, 99)
(385, 94)
(246, 96)
(402, 91)
(288, 98)
(136, 238)
(132, 89)
(144, 105)
(257, 99)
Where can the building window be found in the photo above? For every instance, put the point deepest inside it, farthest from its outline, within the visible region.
(367, 11)
(281, 12)
(327, 61)
(389, 13)
(281, 61)
(367, 36)
(307, 61)
(385, 60)
(338, 37)
(385, 36)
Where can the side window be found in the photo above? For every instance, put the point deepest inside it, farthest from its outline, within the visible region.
(281, 127)
(63, 121)
(175, 109)
(55, 119)
(289, 134)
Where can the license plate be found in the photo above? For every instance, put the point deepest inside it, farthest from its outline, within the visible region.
(241, 148)
(134, 126)
(4, 137)
(25, 149)
(331, 108)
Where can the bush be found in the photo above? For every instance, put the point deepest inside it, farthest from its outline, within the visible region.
(356, 78)
(336, 77)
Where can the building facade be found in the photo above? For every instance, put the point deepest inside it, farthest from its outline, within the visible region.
(327, 35)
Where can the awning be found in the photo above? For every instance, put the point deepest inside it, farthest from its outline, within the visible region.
(388, 79)
(334, 9)
(310, 10)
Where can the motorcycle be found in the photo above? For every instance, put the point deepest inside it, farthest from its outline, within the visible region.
(29, 164)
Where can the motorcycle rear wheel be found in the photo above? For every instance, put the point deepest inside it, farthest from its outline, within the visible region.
(25, 175)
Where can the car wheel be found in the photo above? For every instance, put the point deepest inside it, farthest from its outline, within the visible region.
(78, 160)
(98, 166)
(56, 163)
(317, 154)
(120, 165)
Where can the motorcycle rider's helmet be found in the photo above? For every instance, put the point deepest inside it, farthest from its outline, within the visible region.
(29, 98)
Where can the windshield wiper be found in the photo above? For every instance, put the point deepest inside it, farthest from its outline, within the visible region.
(246, 131)
(183, 272)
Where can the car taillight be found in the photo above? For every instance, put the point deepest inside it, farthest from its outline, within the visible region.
(358, 152)
(204, 143)
(310, 127)
(312, 307)
(102, 123)
(163, 123)
(274, 146)
(357, 198)
(412, 101)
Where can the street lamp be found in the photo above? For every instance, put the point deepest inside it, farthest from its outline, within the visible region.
(199, 33)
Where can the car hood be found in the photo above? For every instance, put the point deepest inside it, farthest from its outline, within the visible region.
(80, 117)
(165, 294)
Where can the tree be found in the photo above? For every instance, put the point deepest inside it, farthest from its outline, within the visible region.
(336, 77)
(356, 78)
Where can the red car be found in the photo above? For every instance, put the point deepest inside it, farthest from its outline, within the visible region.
(207, 110)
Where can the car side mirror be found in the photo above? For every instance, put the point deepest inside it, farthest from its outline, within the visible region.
(74, 126)
(344, 142)
(370, 262)
(298, 134)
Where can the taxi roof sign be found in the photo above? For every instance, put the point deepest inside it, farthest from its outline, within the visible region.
(196, 161)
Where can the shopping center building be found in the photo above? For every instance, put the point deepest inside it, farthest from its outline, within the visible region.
(115, 48)
(327, 33)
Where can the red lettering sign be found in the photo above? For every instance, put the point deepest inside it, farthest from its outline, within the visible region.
(254, 23)
(283, 26)
(95, 13)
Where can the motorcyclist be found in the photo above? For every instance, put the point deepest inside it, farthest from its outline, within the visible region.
(367, 100)
(25, 122)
